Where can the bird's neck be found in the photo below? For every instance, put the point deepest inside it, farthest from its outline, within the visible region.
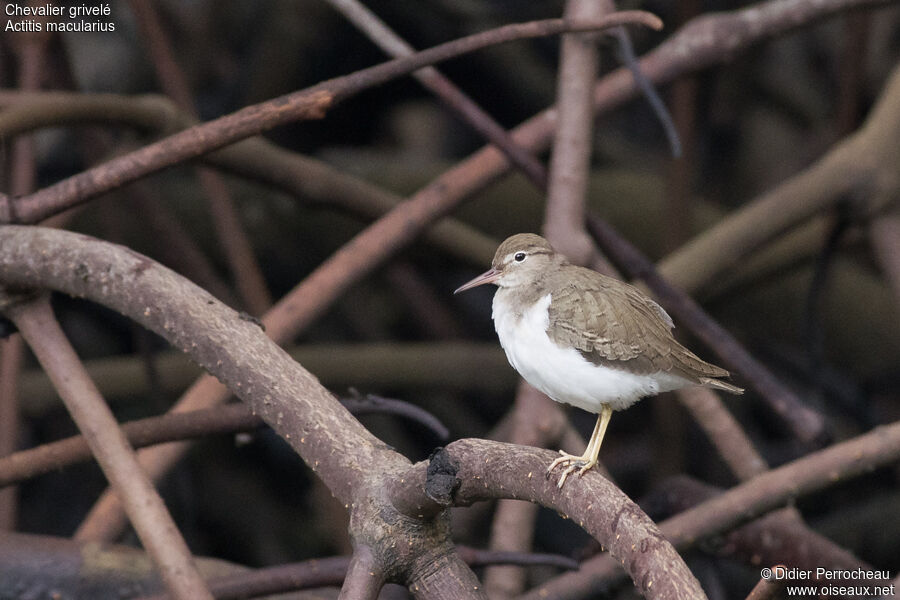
(518, 298)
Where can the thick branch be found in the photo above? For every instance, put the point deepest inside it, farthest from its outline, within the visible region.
(470, 470)
(283, 393)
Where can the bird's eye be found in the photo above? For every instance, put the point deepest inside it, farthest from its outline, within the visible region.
(520, 256)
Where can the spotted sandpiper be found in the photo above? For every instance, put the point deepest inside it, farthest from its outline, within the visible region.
(585, 339)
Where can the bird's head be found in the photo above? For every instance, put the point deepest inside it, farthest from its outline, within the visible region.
(519, 260)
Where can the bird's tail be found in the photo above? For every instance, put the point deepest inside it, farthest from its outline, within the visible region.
(720, 385)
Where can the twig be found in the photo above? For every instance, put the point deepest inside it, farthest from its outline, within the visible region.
(144, 432)
(179, 426)
(433, 80)
(628, 58)
(142, 503)
(311, 103)
(805, 423)
(374, 404)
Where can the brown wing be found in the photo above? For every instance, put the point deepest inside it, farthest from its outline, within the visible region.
(613, 323)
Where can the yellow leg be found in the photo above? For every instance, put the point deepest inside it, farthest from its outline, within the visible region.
(588, 460)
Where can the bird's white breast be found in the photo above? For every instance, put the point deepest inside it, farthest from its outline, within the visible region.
(563, 373)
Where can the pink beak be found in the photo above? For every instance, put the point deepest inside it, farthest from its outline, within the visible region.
(489, 276)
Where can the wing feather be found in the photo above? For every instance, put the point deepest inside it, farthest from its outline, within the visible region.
(612, 323)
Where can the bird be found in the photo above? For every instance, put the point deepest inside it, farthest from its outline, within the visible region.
(585, 339)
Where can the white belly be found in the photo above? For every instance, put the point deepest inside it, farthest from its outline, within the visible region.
(562, 373)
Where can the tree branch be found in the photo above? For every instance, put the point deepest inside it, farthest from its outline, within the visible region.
(681, 53)
(238, 251)
(283, 393)
(359, 469)
(144, 432)
(442, 87)
(819, 470)
(471, 470)
(311, 103)
(864, 161)
(254, 158)
(778, 537)
(364, 579)
(146, 510)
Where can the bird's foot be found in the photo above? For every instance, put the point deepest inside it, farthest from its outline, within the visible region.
(582, 463)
